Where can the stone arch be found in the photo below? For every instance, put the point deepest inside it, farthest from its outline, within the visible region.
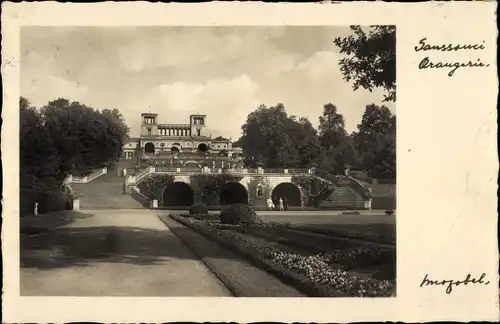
(178, 194)
(192, 162)
(289, 190)
(202, 147)
(233, 193)
(174, 150)
(149, 147)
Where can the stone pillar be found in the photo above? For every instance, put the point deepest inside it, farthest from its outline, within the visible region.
(35, 211)
(154, 204)
(285, 170)
(368, 204)
(76, 204)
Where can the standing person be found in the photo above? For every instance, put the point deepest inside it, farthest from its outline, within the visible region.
(285, 203)
(125, 172)
(281, 203)
(270, 203)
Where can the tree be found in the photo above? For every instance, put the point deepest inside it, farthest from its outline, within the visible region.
(264, 138)
(117, 122)
(331, 127)
(375, 142)
(309, 146)
(75, 137)
(371, 61)
(336, 143)
(39, 158)
(277, 140)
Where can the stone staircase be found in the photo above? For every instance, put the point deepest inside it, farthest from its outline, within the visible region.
(105, 192)
(344, 197)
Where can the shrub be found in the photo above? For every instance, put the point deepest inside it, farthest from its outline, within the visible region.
(198, 209)
(238, 214)
(351, 213)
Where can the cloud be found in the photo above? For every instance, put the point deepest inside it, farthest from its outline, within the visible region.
(314, 82)
(192, 45)
(226, 102)
(224, 72)
(40, 85)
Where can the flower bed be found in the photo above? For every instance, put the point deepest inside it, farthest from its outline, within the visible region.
(343, 253)
(312, 274)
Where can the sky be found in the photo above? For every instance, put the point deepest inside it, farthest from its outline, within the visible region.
(223, 72)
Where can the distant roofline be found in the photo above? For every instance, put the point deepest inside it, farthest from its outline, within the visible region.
(149, 114)
(197, 115)
(175, 125)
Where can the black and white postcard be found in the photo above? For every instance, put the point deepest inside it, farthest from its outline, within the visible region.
(319, 162)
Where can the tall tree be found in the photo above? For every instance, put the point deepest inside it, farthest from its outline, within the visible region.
(117, 123)
(334, 140)
(371, 58)
(375, 141)
(309, 146)
(331, 127)
(84, 137)
(275, 139)
(39, 157)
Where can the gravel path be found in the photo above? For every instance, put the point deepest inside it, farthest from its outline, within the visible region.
(113, 253)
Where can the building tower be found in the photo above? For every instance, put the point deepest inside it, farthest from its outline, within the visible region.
(197, 123)
(149, 124)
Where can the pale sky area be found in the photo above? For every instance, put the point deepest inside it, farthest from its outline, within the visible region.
(223, 72)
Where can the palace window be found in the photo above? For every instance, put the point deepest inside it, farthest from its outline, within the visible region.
(149, 131)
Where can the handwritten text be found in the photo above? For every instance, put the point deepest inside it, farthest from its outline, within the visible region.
(451, 283)
(453, 66)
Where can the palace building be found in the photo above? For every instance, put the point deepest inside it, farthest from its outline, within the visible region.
(165, 141)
